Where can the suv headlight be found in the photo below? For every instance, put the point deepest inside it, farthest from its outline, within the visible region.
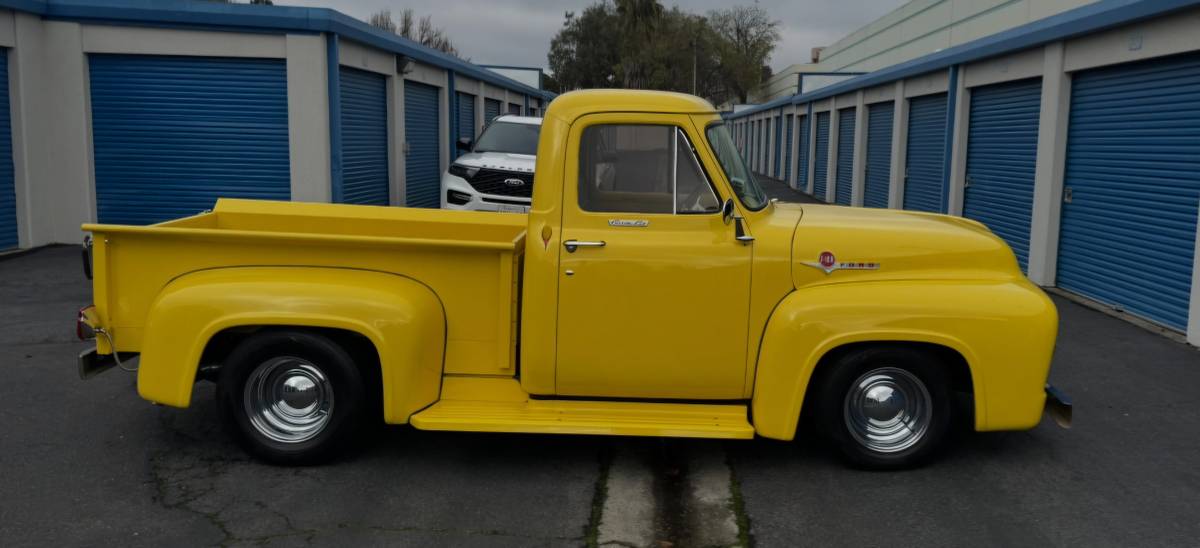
(465, 172)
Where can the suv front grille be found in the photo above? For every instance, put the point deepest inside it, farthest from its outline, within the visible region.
(501, 183)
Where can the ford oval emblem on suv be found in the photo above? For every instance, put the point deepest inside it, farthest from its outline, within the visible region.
(514, 182)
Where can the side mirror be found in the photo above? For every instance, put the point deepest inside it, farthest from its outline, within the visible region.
(464, 143)
(727, 210)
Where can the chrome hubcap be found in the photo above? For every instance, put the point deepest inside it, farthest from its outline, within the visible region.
(288, 399)
(888, 410)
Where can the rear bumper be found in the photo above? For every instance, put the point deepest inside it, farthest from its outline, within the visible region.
(1058, 406)
(92, 363)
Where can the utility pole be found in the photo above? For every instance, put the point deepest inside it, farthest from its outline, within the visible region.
(693, 66)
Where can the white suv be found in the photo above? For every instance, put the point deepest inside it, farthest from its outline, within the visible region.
(497, 172)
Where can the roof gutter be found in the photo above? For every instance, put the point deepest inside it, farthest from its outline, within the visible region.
(249, 17)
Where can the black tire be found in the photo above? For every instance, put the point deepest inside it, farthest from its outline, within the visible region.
(897, 369)
(339, 382)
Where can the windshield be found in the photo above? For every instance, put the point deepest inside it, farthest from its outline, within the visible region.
(509, 137)
(744, 185)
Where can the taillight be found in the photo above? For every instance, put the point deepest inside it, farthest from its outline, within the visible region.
(87, 256)
(84, 327)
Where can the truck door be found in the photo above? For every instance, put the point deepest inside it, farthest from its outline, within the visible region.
(654, 289)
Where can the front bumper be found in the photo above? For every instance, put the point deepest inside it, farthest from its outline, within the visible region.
(1058, 406)
(479, 201)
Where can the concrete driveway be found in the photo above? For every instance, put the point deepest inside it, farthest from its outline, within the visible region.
(89, 463)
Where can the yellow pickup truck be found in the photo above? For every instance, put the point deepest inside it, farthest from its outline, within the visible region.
(652, 290)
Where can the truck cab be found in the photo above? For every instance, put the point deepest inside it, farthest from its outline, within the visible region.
(652, 289)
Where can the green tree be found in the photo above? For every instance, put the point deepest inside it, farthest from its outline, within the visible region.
(747, 36)
(639, 44)
(586, 51)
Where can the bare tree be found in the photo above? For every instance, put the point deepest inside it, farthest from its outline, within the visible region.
(382, 19)
(421, 31)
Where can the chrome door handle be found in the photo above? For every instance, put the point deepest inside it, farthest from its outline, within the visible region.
(572, 245)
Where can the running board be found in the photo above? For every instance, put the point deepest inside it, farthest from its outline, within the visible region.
(497, 405)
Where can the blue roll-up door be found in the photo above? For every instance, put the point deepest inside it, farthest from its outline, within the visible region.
(880, 118)
(926, 153)
(491, 109)
(8, 196)
(802, 150)
(821, 156)
(466, 120)
(778, 165)
(750, 140)
(422, 166)
(764, 157)
(787, 150)
(754, 147)
(172, 134)
(747, 141)
(1001, 157)
(1131, 187)
(759, 144)
(514, 108)
(845, 156)
(364, 137)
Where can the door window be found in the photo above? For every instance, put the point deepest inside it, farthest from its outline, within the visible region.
(642, 169)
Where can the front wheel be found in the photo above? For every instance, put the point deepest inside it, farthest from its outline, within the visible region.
(886, 407)
(291, 397)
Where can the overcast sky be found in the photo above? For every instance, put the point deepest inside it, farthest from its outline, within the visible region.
(518, 32)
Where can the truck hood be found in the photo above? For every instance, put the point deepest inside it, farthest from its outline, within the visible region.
(841, 244)
(498, 160)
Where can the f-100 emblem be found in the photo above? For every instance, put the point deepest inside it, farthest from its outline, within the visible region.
(827, 263)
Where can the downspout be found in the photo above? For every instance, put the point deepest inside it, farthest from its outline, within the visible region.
(951, 107)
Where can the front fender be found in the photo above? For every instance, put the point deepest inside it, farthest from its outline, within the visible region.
(1005, 330)
(403, 319)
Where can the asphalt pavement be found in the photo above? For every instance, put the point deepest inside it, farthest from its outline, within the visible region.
(90, 463)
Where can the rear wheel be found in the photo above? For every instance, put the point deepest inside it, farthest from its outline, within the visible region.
(291, 397)
(885, 407)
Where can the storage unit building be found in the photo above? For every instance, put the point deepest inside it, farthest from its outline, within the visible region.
(1072, 138)
(132, 112)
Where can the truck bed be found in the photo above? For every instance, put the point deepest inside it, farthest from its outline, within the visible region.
(471, 260)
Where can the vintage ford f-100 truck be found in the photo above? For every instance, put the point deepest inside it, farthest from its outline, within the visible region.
(652, 290)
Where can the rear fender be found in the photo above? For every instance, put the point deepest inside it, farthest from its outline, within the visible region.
(1004, 330)
(401, 317)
